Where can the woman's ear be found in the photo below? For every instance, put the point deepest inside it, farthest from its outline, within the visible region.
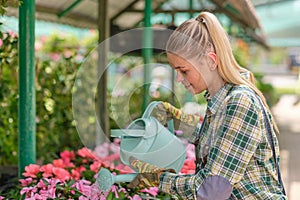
(213, 56)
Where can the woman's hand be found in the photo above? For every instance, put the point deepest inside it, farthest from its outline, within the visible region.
(185, 122)
(148, 175)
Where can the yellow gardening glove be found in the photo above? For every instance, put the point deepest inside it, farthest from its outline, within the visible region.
(186, 123)
(148, 175)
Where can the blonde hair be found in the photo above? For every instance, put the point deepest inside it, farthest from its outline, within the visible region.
(196, 37)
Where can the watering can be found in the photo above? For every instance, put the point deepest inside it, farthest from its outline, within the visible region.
(149, 141)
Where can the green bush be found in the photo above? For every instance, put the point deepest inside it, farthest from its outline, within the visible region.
(55, 74)
(8, 97)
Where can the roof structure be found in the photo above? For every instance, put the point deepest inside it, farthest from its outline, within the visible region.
(127, 14)
(280, 20)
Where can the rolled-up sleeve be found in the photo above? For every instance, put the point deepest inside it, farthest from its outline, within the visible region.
(235, 143)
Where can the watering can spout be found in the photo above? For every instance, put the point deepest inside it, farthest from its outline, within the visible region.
(106, 179)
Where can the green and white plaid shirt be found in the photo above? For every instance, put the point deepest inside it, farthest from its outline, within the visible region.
(239, 149)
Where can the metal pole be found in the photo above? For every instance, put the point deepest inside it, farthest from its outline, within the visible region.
(191, 8)
(68, 9)
(103, 31)
(27, 111)
(147, 51)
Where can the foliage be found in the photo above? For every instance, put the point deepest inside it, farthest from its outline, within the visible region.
(5, 3)
(267, 89)
(8, 97)
(73, 176)
(241, 54)
(56, 66)
(55, 75)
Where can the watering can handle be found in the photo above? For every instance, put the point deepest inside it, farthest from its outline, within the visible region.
(149, 110)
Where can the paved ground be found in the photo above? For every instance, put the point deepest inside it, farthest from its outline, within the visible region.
(287, 115)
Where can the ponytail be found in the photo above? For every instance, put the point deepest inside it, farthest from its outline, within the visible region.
(205, 34)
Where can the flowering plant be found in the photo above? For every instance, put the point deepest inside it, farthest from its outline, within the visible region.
(73, 176)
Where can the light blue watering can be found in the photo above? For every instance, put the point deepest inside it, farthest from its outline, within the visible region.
(149, 141)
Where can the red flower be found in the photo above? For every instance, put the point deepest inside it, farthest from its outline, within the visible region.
(61, 174)
(47, 169)
(85, 153)
(124, 169)
(96, 166)
(75, 174)
(67, 156)
(188, 167)
(59, 163)
(31, 170)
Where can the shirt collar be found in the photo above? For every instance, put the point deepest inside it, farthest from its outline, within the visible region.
(216, 101)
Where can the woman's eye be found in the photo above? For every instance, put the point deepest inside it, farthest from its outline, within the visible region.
(183, 72)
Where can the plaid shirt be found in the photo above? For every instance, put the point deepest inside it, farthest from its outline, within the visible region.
(239, 149)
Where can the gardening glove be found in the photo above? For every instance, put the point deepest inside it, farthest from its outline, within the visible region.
(187, 123)
(148, 175)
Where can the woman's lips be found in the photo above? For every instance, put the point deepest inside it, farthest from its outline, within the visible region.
(188, 85)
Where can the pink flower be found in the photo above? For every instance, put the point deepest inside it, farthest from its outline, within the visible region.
(152, 190)
(115, 147)
(190, 151)
(61, 174)
(49, 192)
(1, 43)
(114, 189)
(135, 197)
(113, 157)
(84, 187)
(178, 132)
(29, 191)
(25, 182)
(1, 197)
(12, 34)
(47, 170)
(102, 151)
(67, 54)
(55, 57)
(31, 170)
(85, 153)
(37, 45)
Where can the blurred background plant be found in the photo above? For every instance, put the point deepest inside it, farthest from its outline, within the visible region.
(5, 3)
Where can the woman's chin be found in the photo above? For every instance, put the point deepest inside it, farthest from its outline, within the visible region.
(191, 90)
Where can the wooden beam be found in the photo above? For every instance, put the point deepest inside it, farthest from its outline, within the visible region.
(72, 18)
(268, 3)
(129, 6)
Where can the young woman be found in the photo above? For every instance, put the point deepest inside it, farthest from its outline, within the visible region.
(234, 155)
